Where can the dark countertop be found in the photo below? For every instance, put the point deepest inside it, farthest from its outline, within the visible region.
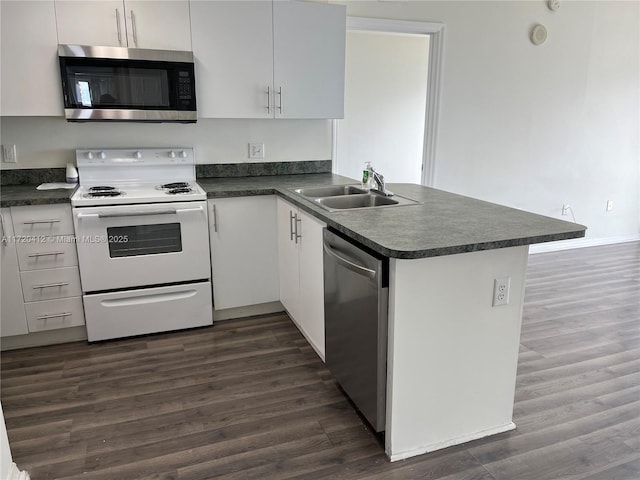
(17, 195)
(442, 224)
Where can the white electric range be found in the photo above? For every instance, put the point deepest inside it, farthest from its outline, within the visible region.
(143, 241)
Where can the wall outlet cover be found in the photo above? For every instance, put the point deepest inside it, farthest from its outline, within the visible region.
(256, 151)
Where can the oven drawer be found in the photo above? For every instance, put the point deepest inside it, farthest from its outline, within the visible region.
(149, 310)
(52, 314)
(51, 253)
(45, 220)
(51, 283)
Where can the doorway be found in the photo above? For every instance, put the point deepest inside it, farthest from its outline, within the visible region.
(392, 72)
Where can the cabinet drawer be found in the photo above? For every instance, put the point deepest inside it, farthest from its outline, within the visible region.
(50, 284)
(52, 314)
(42, 220)
(53, 252)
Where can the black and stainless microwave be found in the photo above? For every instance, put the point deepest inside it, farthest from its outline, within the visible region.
(127, 84)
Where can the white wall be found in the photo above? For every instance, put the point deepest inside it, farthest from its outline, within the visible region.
(43, 142)
(385, 101)
(536, 127)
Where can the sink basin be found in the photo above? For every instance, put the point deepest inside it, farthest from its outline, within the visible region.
(366, 200)
(329, 191)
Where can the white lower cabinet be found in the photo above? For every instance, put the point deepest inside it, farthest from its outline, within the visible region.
(301, 271)
(40, 279)
(12, 316)
(244, 251)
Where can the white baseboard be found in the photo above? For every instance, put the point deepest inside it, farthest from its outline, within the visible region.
(581, 243)
(448, 443)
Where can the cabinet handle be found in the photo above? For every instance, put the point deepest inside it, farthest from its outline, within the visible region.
(118, 26)
(298, 220)
(269, 99)
(45, 254)
(4, 236)
(33, 222)
(50, 285)
(291, 217)
(134, 29)
(54, 315)
(215, 218)
(280, 103)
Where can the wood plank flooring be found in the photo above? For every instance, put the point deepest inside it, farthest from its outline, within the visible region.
(249, 399)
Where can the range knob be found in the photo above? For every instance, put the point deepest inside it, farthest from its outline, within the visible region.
(138, 154)
(90, 155)
(172, 154)
(102, 155)
(183, 154)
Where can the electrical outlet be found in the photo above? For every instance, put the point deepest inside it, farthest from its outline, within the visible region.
(609, 205)
(256, 150)
(9, 154)
(501, 291)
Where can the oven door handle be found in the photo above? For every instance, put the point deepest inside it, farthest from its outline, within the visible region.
(139, 213)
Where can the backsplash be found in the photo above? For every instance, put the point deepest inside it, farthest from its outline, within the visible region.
(32, 176)
(262, 169)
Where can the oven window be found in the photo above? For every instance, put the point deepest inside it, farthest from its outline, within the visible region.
(137, 240)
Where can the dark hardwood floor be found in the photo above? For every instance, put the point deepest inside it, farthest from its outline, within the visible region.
(249, 399)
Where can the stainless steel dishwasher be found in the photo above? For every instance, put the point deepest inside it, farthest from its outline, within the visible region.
(356, 293)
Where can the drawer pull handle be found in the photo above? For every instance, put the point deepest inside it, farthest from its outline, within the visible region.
(45, 254)
(54, 315)
(50, 285)
(33, 222)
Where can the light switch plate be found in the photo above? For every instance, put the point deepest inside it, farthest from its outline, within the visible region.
(256, 151)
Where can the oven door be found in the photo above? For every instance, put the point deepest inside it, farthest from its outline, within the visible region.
(141, 245)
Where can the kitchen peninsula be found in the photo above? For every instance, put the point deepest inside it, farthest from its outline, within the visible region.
(452, 355)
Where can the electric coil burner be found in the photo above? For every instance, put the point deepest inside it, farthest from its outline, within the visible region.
(143, 242)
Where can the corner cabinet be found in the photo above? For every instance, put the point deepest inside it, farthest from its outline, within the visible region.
(301, 271)
(155, 24)
(244, 251)
(29, 53)
(259, 59)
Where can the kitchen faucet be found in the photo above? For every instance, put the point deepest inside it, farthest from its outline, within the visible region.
(379, 179)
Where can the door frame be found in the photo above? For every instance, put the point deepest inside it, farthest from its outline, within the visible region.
(434, 81)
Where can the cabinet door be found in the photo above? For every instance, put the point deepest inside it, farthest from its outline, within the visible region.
(233, 46)
(13, 320)
(288, 257)
(87, 22)
(164, 25)
(244, 251)
(312, 280)
(308, 66)
(30, 71)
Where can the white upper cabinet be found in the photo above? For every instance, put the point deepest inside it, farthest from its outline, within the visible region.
(232, 43)
(261, 59)
(156, 24)
(308, 59)
(29, 55)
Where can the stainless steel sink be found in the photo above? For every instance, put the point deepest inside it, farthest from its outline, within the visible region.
(366, 200)
(329, 191)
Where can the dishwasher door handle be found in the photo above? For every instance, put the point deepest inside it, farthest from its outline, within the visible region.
(367, 272)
